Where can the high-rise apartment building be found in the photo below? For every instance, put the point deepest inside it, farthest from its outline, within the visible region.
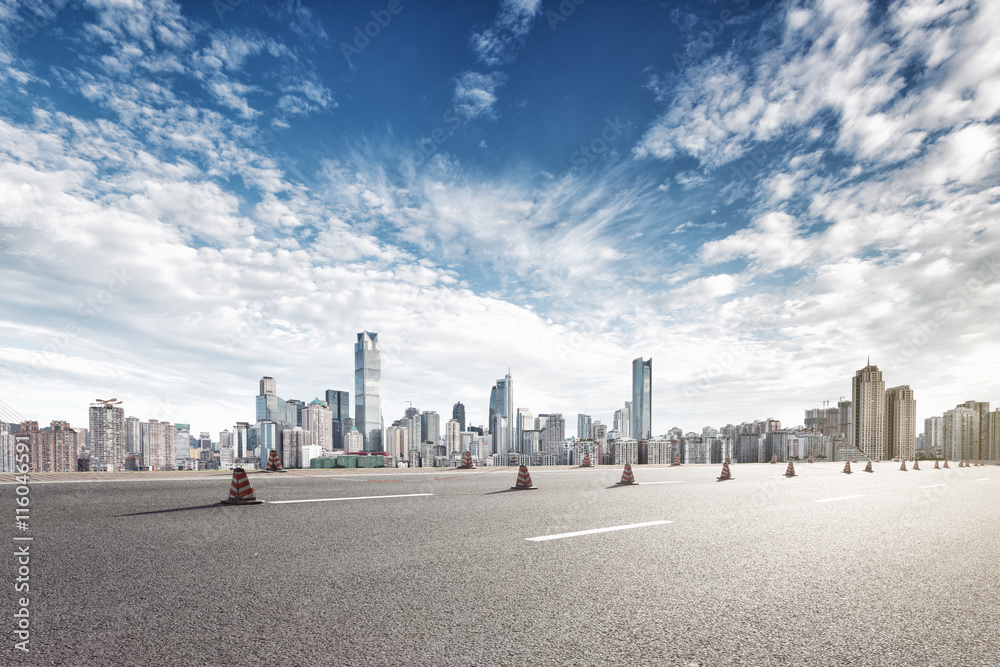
(623, 421)
(642, 398)
(133, 435)
(960, 429)
(900, 422)
(934, 435)
(107, 436)
(452, 438)
(182, 444)
(868, 394)
(319, 424)
(583, 427)
(368, 390)
(241, 440)
(554, 433)
(458, 412)
(159, 441)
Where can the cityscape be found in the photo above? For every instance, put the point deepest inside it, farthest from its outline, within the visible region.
(413, 333)
(876, 423)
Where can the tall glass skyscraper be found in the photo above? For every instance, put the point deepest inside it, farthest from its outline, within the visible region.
(502, 424)
(642, 399)
(340, 406)
(367, 390)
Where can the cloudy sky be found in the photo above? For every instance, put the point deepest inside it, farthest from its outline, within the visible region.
(756, 195)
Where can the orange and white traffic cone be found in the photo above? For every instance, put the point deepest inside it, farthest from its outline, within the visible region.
(945, 463)
(810, 458)
(868, 466)
(677, 459)
(726, 475)
(586, 460)
(790, 470)
(847, 467)
(916, 464)
(854, 459)
(524, 480)
(961, 463)
(627, 478)
(902, 466)
(273, 463)
(937, 465)
(981, 462)
(467, 463)
(774, 458)
(240, 491)
(728, 460)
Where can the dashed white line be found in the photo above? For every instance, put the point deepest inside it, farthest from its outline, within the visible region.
(982, 479)
(932, 486)
(560, 536)
(673, 481)
(327, 500)
(828, 500)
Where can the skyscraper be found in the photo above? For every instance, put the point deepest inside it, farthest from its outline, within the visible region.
(367, 390)
(269, 406)
(900, 422)
(318, 424)
(458, 412)
(430, 427)
(452, 438)
(502, 424)
(642, 398)
(868, 420)
(583, 427)
(340, 407)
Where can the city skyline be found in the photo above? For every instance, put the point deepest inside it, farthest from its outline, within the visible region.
(191, 200)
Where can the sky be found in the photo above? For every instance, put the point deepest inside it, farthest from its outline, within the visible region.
(759, 196)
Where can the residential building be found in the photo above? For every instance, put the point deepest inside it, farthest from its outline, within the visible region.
(453, 438)
(107, 436)
(900, 423)
(869, 419)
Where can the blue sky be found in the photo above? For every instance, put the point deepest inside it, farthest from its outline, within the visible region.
(756, 195)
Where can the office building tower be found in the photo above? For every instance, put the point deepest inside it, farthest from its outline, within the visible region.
(583, 427)
(430, 427)
(367, 390)
(458, 412)
(339, 403)
(868, 400)
(600, 432)
(525, 422)
(294, 416)
(900, 422)
(268, 386)
(269, 406)
(241, 440)
(502, 416)
(642, 400)
(623, 421)
(452, 438)
(204, 440)
(268, 435)
(107, 436)
(225, 440)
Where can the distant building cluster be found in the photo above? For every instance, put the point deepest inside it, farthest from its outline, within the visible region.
(877, 423)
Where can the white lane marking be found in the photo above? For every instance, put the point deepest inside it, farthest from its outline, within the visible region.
(673, 481)
(827, 500)
(982, 479)
(560, 536)
(932, 486)
(326, 500)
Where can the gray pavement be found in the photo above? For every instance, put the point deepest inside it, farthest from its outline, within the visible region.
(820, 569)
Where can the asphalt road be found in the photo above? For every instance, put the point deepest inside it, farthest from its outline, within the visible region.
(889, 568)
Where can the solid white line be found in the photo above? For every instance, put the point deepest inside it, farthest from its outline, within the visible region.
(326, 500)
(827, 500)
(673, 481)
(982, 479)
(932, 486)
(543, 538)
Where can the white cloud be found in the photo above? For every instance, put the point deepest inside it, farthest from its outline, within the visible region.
(494, 44)
(475, 94)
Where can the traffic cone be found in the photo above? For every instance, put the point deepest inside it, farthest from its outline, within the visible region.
(790, 470)
(728, 461)
(847, 467)
(273, 464)
(810, 458)
(945, 463)
(961, 463)
(981, 462)
(677, 459)
(868, 466)
(240, 491)
(854, 459)
(916, 464)
(586, 461)
(774, 458)
(524, 480)
(902, 466)
(726, 475)
(936, 465)
(627, 478)
(467, 463)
